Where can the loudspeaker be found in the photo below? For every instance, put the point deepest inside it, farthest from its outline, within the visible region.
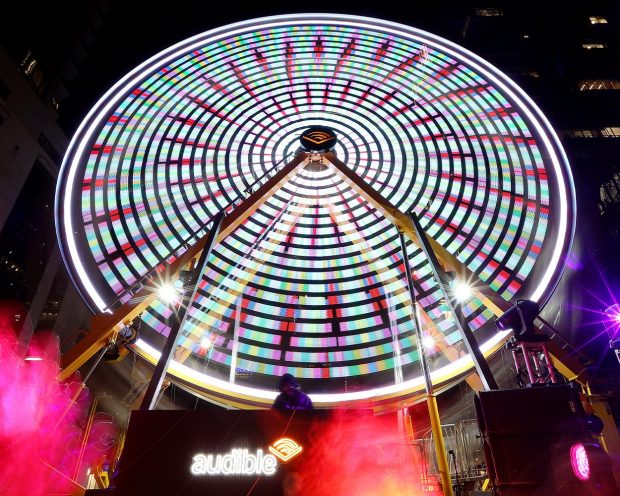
(527, 438)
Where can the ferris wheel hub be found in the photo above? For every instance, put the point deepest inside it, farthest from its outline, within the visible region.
(318, 139)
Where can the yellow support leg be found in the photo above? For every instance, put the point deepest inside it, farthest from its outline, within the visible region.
(440, 447)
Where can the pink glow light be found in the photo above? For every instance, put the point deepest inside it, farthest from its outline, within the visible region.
(361, 455)
(41, 428)
(579, 461)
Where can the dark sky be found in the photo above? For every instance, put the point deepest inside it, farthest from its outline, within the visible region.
(132, 31)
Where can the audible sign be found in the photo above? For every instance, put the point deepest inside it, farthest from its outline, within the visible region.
(285, 449)
(242, 462)
(237, 462)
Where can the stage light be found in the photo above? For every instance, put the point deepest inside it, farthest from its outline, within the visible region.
(580, 462)
(35, 354)
(118, 348)
(462, 291)
(129, 334)
(612, 313)
(519, 318)
(612, 326)
(206, 343)
(594, 424)
(168, 293)
(112, 353)
(428, 342)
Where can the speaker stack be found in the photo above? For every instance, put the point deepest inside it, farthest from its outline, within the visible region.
(536, 443)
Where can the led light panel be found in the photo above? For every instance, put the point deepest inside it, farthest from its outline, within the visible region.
(313, 282)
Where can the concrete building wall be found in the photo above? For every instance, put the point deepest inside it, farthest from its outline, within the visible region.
(29, 134)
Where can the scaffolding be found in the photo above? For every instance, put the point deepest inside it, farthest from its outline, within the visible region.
(464, 450)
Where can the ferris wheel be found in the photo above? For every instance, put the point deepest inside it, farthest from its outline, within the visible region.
(313, 280)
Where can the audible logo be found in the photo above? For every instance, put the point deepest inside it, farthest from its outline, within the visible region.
(318, 138)
(285, 449)
(237, 462)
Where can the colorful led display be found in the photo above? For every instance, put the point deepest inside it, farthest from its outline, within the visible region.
(313, 282)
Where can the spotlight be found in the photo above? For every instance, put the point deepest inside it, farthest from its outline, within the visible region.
(613, 320)
(462, 291)
(612, 325)
(118, 349)
(519, 318)
(168, 293)
(592, 466)
(428, 342)
(112, 353)
(128, 334)
(579, 461)
(206, 343)
(614, 312)
(594, 424)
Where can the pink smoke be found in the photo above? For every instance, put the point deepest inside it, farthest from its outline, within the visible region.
(361, 455)
(41, 426)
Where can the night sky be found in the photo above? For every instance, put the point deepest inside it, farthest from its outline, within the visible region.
(131, 32)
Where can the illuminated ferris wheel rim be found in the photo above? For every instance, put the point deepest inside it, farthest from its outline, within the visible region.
(103, 108)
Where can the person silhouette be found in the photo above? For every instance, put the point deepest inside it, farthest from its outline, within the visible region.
(291, 396)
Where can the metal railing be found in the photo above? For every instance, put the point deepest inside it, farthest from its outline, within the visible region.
(465, 453)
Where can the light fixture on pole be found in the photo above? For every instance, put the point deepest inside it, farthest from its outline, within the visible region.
(612, 325)
(519, 318)
(532, 360)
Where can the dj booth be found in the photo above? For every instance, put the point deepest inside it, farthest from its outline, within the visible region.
(241, 452)
(536, 442)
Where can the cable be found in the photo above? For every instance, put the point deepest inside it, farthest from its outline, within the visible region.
(457, 484)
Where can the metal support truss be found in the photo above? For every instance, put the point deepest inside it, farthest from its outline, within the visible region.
(105, 326)
(179, 316)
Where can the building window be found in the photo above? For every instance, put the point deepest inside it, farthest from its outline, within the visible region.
(50, 311)
(610, 190)
(33, 71)
(490, 12)
(28, 237)
(609, 203)
(532, 74)
(610, 132)
(593, 46)
(599, 84)
(607, 132)
(597, 20)
(581, 133)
